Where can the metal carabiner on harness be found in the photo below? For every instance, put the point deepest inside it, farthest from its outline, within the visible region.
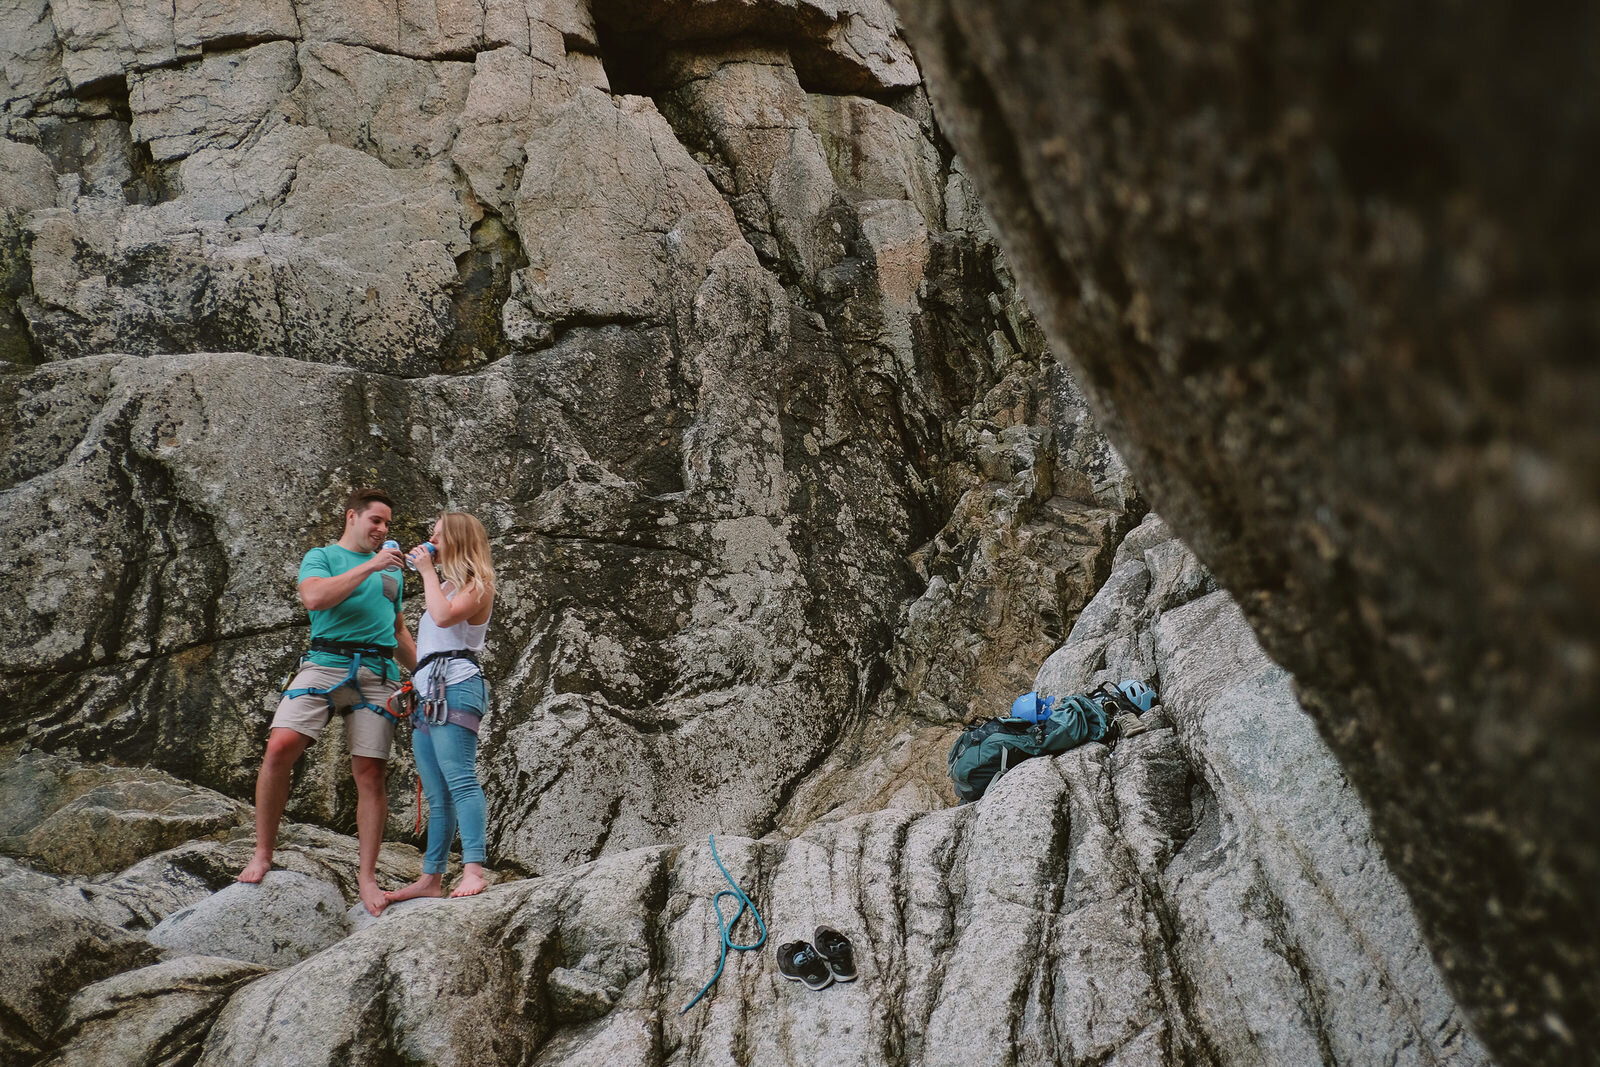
(435, 707)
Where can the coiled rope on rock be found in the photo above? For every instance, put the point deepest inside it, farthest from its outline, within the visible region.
(725, 924)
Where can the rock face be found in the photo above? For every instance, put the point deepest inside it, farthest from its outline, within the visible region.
(708, 362)
(1345, 340)
(1208, 891)
(694, 306)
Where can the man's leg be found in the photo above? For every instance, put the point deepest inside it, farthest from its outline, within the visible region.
(284, 747)
(372, 811)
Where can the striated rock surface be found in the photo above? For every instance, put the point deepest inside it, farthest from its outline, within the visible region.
(694, 306)
(1206, 892)
(1345, 339)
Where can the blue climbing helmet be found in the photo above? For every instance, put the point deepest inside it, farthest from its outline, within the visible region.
(1031, 707)
(1142, 695)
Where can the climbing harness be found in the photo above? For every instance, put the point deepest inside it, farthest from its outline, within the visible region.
(725, 924)
(432, 707)
(345, 695)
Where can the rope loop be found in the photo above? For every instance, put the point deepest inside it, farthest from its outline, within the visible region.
(725, 924)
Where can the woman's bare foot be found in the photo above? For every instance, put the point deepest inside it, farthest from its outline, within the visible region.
(472, 881)
(256, 869)
(429, 885)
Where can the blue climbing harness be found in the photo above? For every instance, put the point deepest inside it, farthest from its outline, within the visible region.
(338, 694)
(725, 924)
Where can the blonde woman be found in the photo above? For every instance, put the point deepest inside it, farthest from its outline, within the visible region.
(452, 695)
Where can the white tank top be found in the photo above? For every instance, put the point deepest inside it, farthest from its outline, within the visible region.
(431, 637)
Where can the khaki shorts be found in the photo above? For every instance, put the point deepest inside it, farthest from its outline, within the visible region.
(367, 732)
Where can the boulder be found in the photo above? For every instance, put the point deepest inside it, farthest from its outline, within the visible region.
(71, 819)
(147, 1015)
(54, 942)
(281, 920)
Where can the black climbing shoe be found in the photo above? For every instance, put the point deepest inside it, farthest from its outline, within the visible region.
(833, 947)
(799, 962)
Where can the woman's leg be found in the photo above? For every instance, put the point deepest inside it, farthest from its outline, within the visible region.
(441, 819)
(457, 749)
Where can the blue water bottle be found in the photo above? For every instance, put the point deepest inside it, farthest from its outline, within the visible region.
(432, 551)
(395, 545)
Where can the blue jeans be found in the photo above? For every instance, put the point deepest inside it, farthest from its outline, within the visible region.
(446, 755)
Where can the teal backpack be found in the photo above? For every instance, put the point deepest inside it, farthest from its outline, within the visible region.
(1035, 727)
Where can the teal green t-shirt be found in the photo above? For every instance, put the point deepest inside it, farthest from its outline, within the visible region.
(365, 617)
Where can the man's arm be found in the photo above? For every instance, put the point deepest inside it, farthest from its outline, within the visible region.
(319, 594)
(405, 649)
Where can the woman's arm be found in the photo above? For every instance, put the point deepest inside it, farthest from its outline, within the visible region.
(446, 611)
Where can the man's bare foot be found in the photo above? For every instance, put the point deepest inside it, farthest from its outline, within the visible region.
(372, 896)
(256, 869)
(429, 885)
(472, 882)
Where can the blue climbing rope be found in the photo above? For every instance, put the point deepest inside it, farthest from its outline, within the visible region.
(726, 925)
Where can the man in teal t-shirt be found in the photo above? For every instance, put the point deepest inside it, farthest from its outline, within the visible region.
(359, 641)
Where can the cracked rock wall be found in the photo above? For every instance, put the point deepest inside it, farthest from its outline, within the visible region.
(713, 353)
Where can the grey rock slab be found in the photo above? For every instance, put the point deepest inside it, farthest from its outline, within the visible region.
(454, 983)
(70, 819)
(31, 78)
(200, 22)
(27, 180)
(54, 942)
(1337, 909)
(876, 153)
(280, 921)
(403, 111)
(373, 210)
(364, 256)
(1114, 613)
(156, 887)
(745, 112)
(245, 186)
(160, 1010)
(357, 918)
(215, 102)
(103, 40)
(432, 30)
(600, 242)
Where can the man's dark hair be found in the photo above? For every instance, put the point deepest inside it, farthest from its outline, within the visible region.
(360, 500)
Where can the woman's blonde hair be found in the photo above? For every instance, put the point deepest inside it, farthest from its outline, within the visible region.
(464, 552)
